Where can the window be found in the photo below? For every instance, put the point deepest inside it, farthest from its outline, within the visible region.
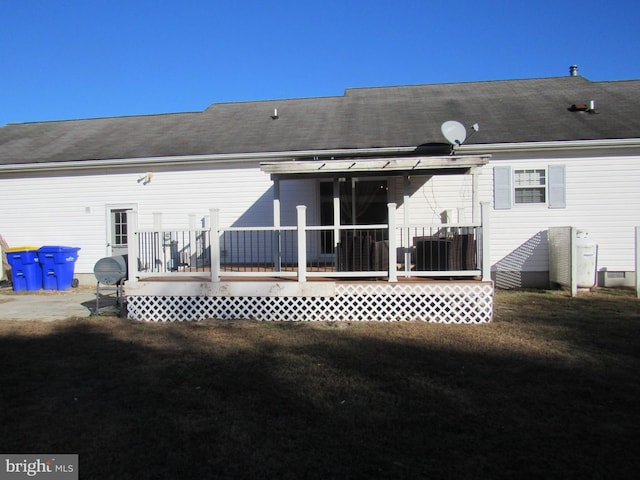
(530, 186)
(119, 218)
(536, 186)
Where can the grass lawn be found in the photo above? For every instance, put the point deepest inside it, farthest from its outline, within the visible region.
(550, 389)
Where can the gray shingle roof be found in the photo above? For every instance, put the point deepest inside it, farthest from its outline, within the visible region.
(507, 111)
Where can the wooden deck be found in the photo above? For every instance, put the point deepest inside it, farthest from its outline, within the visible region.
(206, 278)
(196, 298)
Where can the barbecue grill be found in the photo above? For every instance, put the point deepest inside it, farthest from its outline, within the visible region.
(111, 273)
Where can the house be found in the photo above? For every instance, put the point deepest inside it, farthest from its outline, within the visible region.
(549, 152)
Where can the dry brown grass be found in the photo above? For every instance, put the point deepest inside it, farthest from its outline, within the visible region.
(548, 390)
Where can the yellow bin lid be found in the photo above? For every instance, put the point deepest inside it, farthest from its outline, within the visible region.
(20, 249)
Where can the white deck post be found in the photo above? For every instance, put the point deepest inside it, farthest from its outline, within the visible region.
(406, 245)
(214, 244)
(276, 247)
(302, 243)
(193, 254)
(336, 220)
(393, 267)
(476, 206)
(638, 262)
(159, 242)
(486, 241)
(573, 249)
(132, 244)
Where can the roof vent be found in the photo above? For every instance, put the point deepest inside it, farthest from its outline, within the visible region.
(573, 70)
(579, 107)
(584, 107)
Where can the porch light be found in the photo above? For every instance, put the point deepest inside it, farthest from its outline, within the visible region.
(146, 178)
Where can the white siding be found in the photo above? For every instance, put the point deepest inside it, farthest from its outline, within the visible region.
(602, 196)
(429, 197)
(70, 209)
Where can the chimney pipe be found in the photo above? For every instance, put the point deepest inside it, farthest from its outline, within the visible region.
(573, 70)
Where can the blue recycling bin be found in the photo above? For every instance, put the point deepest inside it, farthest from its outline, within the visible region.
(26, 272)
(58, 265)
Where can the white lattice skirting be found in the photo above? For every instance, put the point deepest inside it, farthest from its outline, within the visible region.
(437, 302)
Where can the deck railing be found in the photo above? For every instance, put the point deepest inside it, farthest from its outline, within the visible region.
(378, 251)
(174, 251)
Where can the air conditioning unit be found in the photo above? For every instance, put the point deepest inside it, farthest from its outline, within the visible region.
(572, 258)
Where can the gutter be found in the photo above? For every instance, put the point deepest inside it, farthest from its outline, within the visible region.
(546, 146)
(199, 159)
(471, 149)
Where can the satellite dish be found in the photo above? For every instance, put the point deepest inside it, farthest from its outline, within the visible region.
(454, 132)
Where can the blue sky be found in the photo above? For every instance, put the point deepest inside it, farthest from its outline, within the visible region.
(64, 59)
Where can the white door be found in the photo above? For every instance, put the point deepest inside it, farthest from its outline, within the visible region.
(117, 229)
